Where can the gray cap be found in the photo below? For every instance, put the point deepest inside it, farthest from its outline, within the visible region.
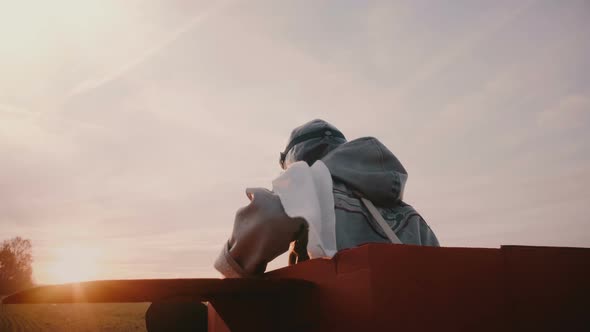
(310, 142)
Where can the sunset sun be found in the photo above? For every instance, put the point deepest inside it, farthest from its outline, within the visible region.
(74, 264)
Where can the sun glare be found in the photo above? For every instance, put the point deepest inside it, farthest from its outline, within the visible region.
(74, 264)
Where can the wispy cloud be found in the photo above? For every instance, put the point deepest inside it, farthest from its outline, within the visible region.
(572, 111)
(456, 47)
(9, 108)
(151, 153)
(120, 70)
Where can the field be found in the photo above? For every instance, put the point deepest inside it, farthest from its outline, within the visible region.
(73, 317)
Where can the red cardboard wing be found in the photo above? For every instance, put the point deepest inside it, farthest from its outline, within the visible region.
(382, 287)
(243, 304)
(378, 287)
(153, 290)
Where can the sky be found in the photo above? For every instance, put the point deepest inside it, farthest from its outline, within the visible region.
(130, 129)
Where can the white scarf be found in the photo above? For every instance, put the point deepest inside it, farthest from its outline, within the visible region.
(306, 192)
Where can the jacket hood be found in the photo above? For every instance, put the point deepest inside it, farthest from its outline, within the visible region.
(368, 167)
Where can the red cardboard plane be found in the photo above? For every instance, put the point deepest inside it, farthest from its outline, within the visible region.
(378, 287)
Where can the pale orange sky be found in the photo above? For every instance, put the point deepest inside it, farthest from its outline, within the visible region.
(129, 129)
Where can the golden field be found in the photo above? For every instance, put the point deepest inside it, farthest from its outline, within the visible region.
(73, 317)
